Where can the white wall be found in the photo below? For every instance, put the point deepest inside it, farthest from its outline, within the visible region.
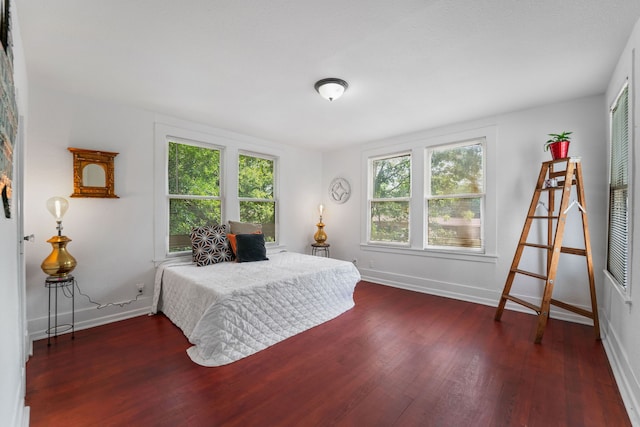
(621, 319)
(11, 295)
(520, 137)
(112, 239)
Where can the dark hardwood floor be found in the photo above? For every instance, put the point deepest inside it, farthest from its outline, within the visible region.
(398, 358)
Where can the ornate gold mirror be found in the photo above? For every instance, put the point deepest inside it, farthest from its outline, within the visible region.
(93, 173)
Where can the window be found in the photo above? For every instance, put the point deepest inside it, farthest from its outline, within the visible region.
(455, 194)
(389, 198)
(449, 211)
(618, 239)
(257, 192)
(193, 178)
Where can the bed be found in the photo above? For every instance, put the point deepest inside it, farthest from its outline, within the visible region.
(231, 310)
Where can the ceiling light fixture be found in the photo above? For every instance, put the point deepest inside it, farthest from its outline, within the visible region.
(331, 88)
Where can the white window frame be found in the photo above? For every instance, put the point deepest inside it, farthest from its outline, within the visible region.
(624, 291)
(416, 144)
(276, 181)
(163, 134)
(428, 196)
(371, 199)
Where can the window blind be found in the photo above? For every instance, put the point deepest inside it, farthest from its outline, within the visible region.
(617, 253)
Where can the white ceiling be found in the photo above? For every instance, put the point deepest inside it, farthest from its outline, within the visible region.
(249, 66)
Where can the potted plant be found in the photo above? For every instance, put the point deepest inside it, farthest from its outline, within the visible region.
(559, 145)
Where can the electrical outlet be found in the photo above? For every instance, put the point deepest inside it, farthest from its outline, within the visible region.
(140, 287)
(372, 264)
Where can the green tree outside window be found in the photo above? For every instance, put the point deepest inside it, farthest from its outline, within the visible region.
(391, 194)
(256, 193)
(455, 195)
(194, 191)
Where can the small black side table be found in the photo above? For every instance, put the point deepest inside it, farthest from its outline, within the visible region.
(320, 249)
(67, 285)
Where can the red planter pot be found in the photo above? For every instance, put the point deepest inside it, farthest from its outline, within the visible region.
(559, 150)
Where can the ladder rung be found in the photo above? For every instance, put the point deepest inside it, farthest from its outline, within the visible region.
(574, 251)
(535, 245)
(557, 188)
(559, 185)
(566, 250)
(523, 302)
(573, 308)
(528, 273)
(544, 216)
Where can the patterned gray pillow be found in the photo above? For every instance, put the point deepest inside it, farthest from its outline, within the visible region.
(209, 245)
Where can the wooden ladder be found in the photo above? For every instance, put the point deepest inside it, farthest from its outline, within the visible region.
(550, 181)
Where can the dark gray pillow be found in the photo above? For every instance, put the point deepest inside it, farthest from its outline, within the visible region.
(250, 247)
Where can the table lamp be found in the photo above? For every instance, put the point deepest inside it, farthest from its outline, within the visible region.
(320, 236)
(59, 263)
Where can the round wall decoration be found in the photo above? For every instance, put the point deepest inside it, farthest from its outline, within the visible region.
(339, 190)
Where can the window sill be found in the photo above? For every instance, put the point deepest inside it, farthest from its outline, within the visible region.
(430, 253)
(186, 255)
(623, 293)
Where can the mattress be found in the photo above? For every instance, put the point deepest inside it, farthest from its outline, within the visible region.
(230, 310)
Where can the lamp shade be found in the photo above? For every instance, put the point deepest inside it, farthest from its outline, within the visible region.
(58, 207)
(331, 88)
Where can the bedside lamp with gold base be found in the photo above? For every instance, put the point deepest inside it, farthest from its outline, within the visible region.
(57, 266)
(320, 246)
(59, 263)
(320, 237)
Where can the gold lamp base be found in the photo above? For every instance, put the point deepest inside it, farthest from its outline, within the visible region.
(320, 237)
(59, 263)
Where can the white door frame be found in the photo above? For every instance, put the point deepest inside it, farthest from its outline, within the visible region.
(18, 197)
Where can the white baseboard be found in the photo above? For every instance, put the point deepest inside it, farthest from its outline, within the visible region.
(628, 384)
(90, 317)
(26, 414)
(427, 286)
(465, 293)
(20, 417)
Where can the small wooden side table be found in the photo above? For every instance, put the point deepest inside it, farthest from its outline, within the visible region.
(67, 285)
(320, 249)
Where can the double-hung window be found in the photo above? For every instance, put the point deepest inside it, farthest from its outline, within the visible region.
(618, 239)
(441, 206)
(455, 196)
(389, 198)
(193, 178)
(257, 192)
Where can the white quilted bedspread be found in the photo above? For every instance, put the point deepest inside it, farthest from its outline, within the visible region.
(232, 310)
